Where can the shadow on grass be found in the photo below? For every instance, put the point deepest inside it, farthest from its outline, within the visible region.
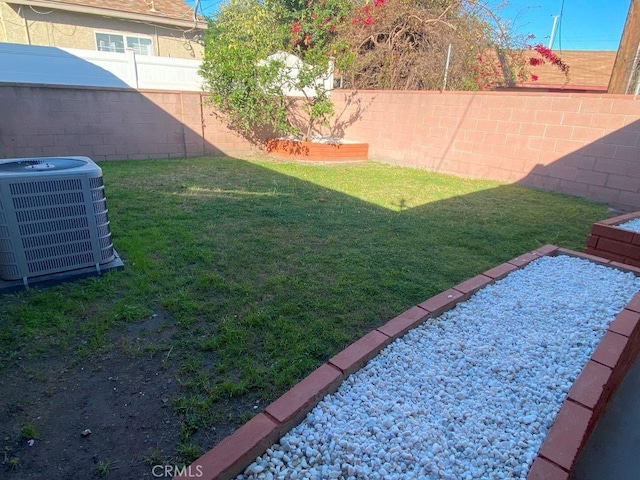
(241, 278)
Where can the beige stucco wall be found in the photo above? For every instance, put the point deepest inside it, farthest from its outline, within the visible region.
(55, 28)
(12, 27)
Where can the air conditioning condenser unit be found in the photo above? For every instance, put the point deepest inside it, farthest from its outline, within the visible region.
(53, 220)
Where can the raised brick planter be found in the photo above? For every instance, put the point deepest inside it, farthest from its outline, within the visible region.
(318, 152)
(614, 243)
(575, 421)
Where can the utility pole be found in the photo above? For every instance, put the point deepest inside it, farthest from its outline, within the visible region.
(624, 75)
(552, 37)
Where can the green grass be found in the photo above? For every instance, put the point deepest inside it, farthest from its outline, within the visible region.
(265, 270)
(28, 431)
(103, 468)
(10, 461)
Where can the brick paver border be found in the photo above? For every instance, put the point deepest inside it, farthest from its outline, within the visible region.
(575, 421)
(607, 240)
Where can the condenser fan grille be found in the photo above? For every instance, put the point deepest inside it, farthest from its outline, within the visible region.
(26, 216)
(62, 225)
(35, 201)
(28, 188)
(60, 264)
(71, 246)
(49, 225)
(60, 238)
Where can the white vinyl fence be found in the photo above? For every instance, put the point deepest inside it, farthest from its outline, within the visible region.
(36, 64)
(65, 66)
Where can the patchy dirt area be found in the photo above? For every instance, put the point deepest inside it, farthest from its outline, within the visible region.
(122, 397)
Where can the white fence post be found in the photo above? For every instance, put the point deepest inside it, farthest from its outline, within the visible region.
(328, 84)
(132, 67)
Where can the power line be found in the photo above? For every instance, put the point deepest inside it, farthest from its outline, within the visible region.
(211, 5)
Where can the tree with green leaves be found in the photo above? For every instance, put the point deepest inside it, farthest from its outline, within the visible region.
(249, 82)
(376, 44)
(242, 86)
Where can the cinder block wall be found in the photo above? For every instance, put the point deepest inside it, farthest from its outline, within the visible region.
(581, 144)
(110, 124)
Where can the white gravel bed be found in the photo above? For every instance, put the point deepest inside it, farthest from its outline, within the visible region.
(470, 394)
(633, 225)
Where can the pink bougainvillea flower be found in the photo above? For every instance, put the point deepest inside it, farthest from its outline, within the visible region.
(551, 57)
(368, 20)
(295, 27)
(534, 78)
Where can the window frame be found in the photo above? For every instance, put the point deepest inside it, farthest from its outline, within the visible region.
(125, 37)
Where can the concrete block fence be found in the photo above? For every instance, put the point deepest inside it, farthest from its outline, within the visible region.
(111, 124)
(574, 423)
(580, 144)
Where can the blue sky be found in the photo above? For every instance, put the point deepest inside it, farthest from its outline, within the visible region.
(207, 7)
(584, 25)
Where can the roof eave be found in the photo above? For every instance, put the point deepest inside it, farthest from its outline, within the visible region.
(107, 12)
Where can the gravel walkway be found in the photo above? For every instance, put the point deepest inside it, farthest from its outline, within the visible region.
(470, 394)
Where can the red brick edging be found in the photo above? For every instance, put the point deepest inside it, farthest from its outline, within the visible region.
(576, 419)
(614, 243)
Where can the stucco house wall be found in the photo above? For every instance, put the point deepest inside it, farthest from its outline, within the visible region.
(56, 28)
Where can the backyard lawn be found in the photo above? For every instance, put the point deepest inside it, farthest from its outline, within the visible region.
(240, 278)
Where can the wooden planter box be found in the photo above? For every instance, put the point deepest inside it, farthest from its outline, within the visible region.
(316, 151)
(613, 243)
